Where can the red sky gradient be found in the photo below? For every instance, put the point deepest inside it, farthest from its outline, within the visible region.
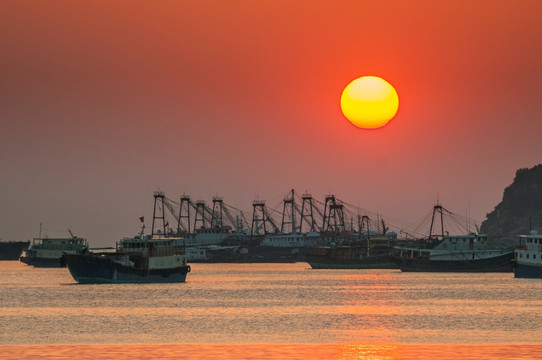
(103, 102)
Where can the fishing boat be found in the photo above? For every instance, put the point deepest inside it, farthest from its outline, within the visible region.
(528, 256)
(154, 258)
(451, 253)
(47, 252)
(138, 259)
(11, 250)
(371, 252)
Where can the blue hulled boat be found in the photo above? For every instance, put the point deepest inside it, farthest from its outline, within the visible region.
(140, 259)
(154, 258)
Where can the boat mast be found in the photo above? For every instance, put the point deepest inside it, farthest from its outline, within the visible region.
(185, 205)
(289, 205)
(216, 214)
(437, 208)
(293, 213)
(365, 219)
(307, 199)
(158, 200)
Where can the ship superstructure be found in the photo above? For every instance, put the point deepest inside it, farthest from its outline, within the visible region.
(47, 251)
(528, 256)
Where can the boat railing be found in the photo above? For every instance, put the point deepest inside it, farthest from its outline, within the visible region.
(418, 243)
(46, 246)
(167, 251)
(524, 246)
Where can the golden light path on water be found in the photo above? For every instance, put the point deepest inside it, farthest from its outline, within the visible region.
(271, 311)
(277, 351)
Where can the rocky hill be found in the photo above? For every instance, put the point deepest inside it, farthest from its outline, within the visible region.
(520, 209)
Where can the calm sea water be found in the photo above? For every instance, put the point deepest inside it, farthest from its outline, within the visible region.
(261, 311)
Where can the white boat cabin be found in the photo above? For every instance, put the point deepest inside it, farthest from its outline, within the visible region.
(529, 250)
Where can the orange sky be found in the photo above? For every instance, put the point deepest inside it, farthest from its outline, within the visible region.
(103, 102)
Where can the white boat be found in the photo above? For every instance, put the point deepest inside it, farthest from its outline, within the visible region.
(451, 253)
(47, 252)
(459, 253)
(528, 256)
(295, 240)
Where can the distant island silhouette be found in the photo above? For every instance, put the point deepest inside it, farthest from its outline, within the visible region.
(520, 210)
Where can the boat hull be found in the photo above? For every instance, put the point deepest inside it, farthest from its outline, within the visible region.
(501, 263)
(94, 269)
(12, 250)
(42, 262)
(322, 262)
(528, 271)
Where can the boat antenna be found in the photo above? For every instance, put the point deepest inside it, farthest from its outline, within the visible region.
(40, 232)
(142, 231)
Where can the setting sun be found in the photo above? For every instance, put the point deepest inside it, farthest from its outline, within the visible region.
(369, 102)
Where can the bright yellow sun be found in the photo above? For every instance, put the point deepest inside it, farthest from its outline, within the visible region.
(369, 102)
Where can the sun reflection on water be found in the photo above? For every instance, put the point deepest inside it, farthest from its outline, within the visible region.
(275, 310)
(273, 351)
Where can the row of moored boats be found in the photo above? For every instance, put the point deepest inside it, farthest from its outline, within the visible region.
(163, 258)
